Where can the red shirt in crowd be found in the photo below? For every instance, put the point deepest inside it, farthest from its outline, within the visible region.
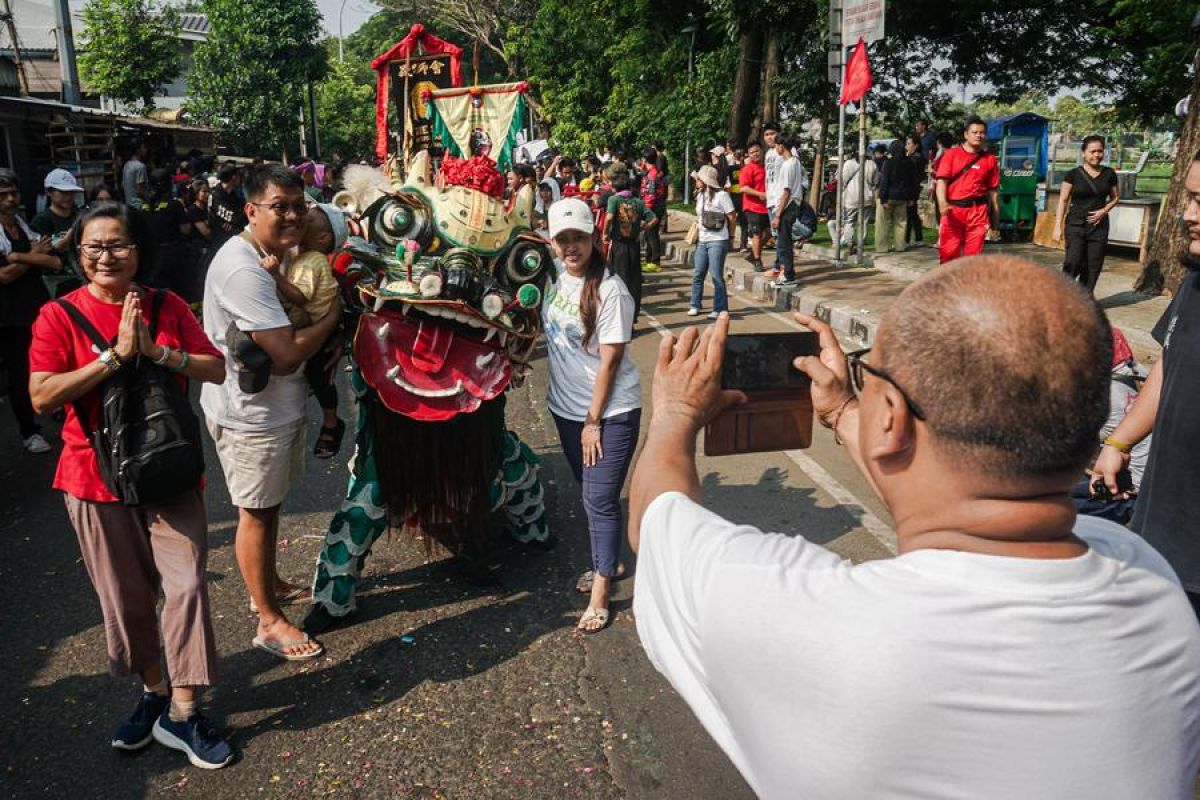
(982, 176)
(753, 176)
(60, 346)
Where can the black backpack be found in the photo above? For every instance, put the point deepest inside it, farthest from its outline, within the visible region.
(148, 444)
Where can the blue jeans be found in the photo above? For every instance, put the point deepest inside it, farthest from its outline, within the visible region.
(602, 483)
(709, 258)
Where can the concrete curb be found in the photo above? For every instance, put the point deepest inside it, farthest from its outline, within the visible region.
(855, 323)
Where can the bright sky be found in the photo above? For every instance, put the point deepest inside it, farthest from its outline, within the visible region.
(353, 14)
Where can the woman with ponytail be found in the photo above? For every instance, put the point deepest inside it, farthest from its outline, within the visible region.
(595, 392)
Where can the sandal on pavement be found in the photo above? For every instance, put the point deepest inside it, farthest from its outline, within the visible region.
(280, 648)
(593, 615)
(584, 584)
(329, 441)
(297, 594)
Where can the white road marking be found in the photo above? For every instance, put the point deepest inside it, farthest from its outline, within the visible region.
(873, 525)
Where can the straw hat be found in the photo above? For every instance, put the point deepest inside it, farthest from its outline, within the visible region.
(708, 176)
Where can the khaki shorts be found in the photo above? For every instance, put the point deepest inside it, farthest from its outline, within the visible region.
(260, 466)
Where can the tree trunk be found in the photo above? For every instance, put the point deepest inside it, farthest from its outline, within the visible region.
(1162, 269)
(770, 92)
(817, 179)
(746, 83)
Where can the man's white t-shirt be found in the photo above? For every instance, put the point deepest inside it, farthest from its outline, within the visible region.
(772, 161)
(572, 367)
(239, 289)
(720, 201)
(790, 175)
(936, 674)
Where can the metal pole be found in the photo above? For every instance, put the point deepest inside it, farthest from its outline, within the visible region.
(840, 205)
(312, 111)
(341, 53)
(862, 175)
(66, 53)
(303, 133)
(22, 78)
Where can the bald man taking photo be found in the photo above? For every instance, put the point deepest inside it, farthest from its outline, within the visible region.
(1010, 650)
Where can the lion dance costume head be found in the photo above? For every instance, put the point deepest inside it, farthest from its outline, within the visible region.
(444, 282)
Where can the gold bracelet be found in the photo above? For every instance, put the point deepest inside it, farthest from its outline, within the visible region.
(1124, 448)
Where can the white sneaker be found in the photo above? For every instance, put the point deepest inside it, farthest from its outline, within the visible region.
(37, 444)
(693, 312)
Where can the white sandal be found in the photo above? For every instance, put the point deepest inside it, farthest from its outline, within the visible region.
(591, 615)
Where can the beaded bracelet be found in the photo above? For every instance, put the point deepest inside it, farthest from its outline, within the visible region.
(182, 364)
(164, 356)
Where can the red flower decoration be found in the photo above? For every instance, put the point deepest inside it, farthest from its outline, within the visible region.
(478, 173)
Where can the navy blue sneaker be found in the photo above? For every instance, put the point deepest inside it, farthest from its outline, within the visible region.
(134, 732)
(196, 737)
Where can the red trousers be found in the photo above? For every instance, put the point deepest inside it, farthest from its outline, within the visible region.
(962, 231)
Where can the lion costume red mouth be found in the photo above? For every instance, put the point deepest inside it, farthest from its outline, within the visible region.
(425, 370)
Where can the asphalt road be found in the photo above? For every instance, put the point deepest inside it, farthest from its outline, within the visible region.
(489, 694)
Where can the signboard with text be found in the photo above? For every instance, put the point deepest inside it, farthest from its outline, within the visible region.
(862, 19)
(409, 80)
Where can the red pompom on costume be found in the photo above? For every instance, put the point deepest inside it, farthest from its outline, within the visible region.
(478, 173)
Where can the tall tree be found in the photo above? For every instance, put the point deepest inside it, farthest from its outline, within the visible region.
(346, 112)
(250, 75)
(130, 49)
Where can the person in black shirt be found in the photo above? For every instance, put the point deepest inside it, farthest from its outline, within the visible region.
(1168, 501)
(23, 258)
(1088, 193)
(167, 220)
(916, 230)
(55, 221)
(226, 210)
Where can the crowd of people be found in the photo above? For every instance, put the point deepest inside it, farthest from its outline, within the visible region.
(1005, 617)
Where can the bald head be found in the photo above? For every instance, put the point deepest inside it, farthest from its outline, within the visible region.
(1008, 360)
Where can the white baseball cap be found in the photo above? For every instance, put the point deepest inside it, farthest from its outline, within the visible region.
(62, 180)
(570, 214)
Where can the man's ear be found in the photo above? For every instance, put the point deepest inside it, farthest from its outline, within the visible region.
(894, 432)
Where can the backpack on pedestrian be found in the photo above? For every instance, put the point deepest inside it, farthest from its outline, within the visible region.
(148, 445)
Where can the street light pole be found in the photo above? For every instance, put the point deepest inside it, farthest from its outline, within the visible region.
(687, 148)
(341, 52)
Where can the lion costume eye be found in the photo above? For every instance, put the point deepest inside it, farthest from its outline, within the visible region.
(526, 261)
(404, 216)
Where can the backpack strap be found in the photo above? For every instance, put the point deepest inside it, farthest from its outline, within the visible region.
(84, 324)
(963, 171)
(156, 302)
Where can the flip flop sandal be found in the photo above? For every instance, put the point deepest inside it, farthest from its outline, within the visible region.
(286, 599)
(593, 614)
(277, 648)
(584, 584)
(329, 441)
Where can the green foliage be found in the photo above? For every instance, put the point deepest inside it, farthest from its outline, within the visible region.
(346, 112)
(130, 50)
(249, 77)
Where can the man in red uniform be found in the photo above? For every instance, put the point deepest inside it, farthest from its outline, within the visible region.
(968, 182)
(753, 183)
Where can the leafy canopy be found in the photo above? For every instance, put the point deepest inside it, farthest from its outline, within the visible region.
(129, 50)
(250, 75)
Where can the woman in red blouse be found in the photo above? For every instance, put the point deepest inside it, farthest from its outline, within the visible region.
(133, 553)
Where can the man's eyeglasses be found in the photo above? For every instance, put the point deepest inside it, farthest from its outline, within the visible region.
(282, 209)
(95, 251)
(858, 366)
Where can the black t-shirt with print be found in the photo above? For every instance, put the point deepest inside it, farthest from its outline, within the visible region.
(21, 299)
(226, 215)
(1088, 194)
(1168, 502)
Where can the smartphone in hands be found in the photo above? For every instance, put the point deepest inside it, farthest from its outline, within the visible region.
(778, 414)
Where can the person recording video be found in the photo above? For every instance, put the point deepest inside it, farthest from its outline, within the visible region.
(1011, 649)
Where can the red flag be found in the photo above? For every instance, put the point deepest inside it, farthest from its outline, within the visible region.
(858, 75)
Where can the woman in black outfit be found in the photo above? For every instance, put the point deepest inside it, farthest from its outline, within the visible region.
(915, 231)
(1088, 193)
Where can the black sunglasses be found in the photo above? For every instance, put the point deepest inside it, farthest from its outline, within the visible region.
(858, 366)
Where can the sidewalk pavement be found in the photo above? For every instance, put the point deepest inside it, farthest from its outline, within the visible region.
(853, 299)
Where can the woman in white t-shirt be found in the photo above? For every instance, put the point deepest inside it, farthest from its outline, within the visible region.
(595, 392)
(716, 218)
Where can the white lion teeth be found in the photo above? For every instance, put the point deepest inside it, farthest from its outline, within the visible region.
(394, 371)
(491, 332)
(404, 307)
(483, 360)
(503, 339)
(382, 332)
(379, 301)
(408, 387)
